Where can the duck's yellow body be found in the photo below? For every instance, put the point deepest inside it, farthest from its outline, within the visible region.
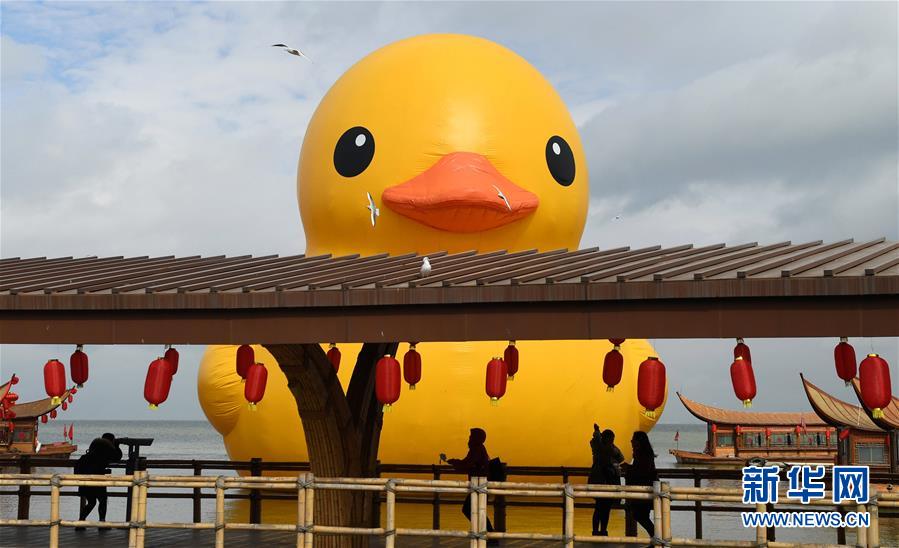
(445, 143)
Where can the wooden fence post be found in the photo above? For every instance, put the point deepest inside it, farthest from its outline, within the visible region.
(301, 509)
(665, 496)
(220, 512)
(435, 517)
(310, 509)
(473, 512)
(255, 494)
(140, 537)
(482, 512)
(24, 490)
(861, 533)
(390, 525)
(657, 509)
(564, 473)
(697, 512)
(133, 515)
(761, 533)
(54, 511)
(874, 527)
(198, 494)
(568, 530)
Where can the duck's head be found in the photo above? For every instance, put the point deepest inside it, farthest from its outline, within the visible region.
(459, 144)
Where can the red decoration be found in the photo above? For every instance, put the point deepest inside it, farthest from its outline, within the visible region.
(171, 356)
(54, 380)
(739, 429)
(613, 365)
(743, 380)
(845, 361)
(245, 358)
(14, 380)
(844, 433)
(334, 356)
(412, 367)
(714, 428)
(73, 390)
(510, 356)
(497, 374)
(65, 405)
(254, 389)
(798, 429)
(78, 366)
(874, 376)
(70, 398)
(44, 419)
(53, 414)
(742, 351)
(767, 432)
(387, 381)
(158, 382)
(827, 437)
(651, 385)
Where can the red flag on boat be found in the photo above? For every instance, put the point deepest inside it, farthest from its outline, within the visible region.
(802, 425)
(71, 432)
(677, 436)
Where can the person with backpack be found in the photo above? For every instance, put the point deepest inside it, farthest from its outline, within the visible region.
(641, 472)
(476, 464)
(605, 471)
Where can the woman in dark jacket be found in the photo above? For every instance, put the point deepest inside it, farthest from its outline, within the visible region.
(606, 459)
(642, 472)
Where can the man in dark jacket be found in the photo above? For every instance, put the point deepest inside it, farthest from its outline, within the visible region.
(605, 471)
(475, 464)
(100, 454)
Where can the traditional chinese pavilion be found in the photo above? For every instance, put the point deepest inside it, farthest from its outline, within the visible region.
(737, 436)
(860, 439)
(20, 437)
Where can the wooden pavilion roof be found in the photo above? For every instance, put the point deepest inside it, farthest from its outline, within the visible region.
(835, 411)
(890, 420)
(34, 409)
(716, 415)
(783, 289)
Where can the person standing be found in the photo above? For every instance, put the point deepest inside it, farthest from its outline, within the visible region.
(475, 464)
(605, 471)
(642, 471)
(95, 461)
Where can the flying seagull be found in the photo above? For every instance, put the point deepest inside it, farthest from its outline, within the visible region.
(292, 51)
(372, 208)
(425, 267)
(503, 196)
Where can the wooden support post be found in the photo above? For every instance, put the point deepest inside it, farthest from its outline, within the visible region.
(24, 490)
(665, 496)
(390, 524)
(841, 531)
(697, 511)
(861, 533)
(310, 509)
(564, 474)
(499, 506)
(220, 512)
(301, 509)
(772, 531)
(657, 508)
(482, 512)
(874, 527)
(568, 530)
(198, 494)
(54, 511)
(473, 497)
(435, 510)
(133, 515)
(761, 533)
(140, 537)
(255, 494)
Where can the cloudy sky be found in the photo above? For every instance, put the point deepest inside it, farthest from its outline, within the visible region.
(156, 129)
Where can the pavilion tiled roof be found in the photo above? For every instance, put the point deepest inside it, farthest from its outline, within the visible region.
(890, 419)
(835, 411)
(717, 415)
(36, 408)
(748, 265)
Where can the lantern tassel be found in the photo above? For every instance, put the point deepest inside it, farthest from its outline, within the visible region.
(55, 400)
(747, 403)
(251, 406)
(650, 413)
(154, 407)
(411, 387)
(877, 413)
(494, 402)
(848, 383)
(511, 377)
(386, 408)
(610, 389)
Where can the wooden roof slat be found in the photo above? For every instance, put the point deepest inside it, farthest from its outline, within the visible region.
(729, 267)
(557, 256)
(28, 276)
(570, 259)
(149, 277)
(321, 273)
(453, 261)
(148, 272)
(370, 277)
(601, 261)
(722, 259)
(83, 274)
(273, 272)
(791, 259)
(660, 259)
(475, 266)
(719, 255)
(880, 268)
(209, 273)
(381, 277)
(395, 263)
(829, 258)
(240, 273)
(16, 265)
(828, 272)
(271, 282)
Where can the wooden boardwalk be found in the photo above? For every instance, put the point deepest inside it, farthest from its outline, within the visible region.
(28, 537)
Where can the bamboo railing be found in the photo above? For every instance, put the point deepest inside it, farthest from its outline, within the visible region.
(304, 487)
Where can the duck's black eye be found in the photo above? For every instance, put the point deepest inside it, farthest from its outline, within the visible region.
(560, 160)
(354, 151)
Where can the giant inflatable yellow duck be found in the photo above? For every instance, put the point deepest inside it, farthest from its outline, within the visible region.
(445, 142)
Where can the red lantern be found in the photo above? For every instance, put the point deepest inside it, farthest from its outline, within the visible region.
(613, 365)
(387, 381)
(743, 380)
(844, 359)
(742, 351)
(14, 380)
(714, 428)
(53, 414)
(245, 358)
(651, 385)
(510, 357)
(334, 356)
(254, 389)
(44, 419)
(497, 374)
(171, 356)
(827, 437)
(65, 405)
(412, 367)
(767, 432)
(844, 433)
(78, 365)
(874, 376)
(54, 380)
(158, 382)
(73, 390)
(798, 429)
(70, 398)
(739, 429)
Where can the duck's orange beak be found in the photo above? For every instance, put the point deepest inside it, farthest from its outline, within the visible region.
(462, 192)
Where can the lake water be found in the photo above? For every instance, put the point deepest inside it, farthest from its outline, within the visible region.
(198, 440)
